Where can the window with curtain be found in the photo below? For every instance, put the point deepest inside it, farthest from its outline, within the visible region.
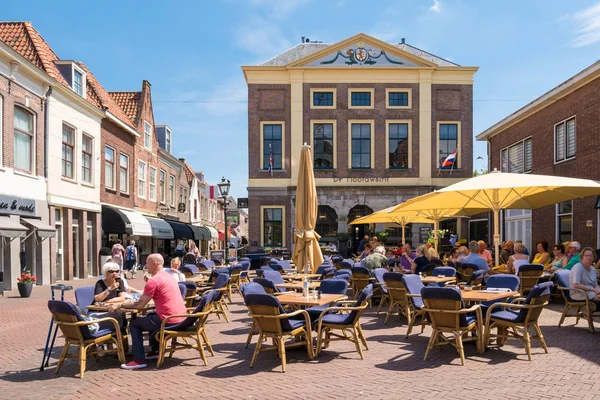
(361, 146)
(398, 145)
(564, 140)
(123, 173)
(24, 132)
(161, 184)
(323, 146)
(517, 158)
(272, 219)
(448, 142)
(109, 167)
(142, 179)
(152, 184)
(272, 145)
(87, 150)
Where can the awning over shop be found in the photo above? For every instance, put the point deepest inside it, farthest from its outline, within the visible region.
(114, 221)
(139, 224)
(11, 228)
(160, 228)
(44, 231)
(181, 230)
(213, 232)
(200, 232)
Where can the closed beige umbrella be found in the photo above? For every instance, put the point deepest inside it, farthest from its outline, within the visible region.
(307, 251)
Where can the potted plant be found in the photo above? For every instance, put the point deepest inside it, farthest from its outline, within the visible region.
(382, 236)
(105, 254)
(25, 284)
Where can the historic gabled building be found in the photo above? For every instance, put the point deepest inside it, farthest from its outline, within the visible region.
(380, 117)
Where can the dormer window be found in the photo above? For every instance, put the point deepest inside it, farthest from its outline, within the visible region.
(73, 74)
(168, 140)
(78, 82)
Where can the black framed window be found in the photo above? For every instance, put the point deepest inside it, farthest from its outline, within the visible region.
(361, 146)
(327, 222)
(360, 99)
(323, 99)
(564, 216)
(564, 140)
(273, 227)
(323, 146)
(448, 142)
(272, 144)
(398, 145)
(398, 99)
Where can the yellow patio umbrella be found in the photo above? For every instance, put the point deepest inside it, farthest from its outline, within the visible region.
(500, 190)
(386, 217)
(306, 240)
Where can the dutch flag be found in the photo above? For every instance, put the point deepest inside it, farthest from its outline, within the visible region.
(448, 162)
(270, 160)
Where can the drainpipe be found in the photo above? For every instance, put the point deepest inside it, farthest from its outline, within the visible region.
(46, 133)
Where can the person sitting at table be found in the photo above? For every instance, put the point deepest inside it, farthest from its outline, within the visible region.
(474, 258)
(453, 255)
(461, 253)
(377, 259)
(174, 270)
(507, 248)
(583, 276)
(163, 289)
(109, 289)
(406, 260)
(366, 252)
(517, 259)
(573, 254)
(420, 259)
(484, 253)
(331, 247)
(431, 251)
(559, 257)
(542, 256)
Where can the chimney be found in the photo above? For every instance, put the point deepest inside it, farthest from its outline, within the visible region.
(302, 40)
(402, 41)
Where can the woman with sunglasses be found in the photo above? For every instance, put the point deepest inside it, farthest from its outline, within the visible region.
(110, 289)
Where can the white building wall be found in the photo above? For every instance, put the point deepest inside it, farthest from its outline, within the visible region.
(194, 198)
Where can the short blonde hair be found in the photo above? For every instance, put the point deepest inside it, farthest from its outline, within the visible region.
(520, 248)
(422, 249)
(109, 265)
(175, 261)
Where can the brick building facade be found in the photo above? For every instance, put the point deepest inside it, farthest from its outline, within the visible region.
(556, 134)
(379, 118)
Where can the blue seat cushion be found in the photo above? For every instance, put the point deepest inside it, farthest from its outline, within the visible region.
(339, 319)
(99, 333)
(315, 312)
(506, 315)
(294, 324)
(471, 319)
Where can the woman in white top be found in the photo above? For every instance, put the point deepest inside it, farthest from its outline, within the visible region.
(516, 260)
(174, 270)
(583, 276)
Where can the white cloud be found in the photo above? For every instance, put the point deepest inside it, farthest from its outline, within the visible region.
(436, 7)
(588, 22)
(261, 38)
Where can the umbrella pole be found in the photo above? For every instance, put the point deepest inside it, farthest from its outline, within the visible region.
(403, 238)
(436, 223)
(497, 235)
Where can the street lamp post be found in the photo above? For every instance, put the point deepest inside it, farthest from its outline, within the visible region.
(224, 191)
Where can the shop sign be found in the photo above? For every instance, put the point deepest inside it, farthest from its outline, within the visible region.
(361, 180)
(17, 205)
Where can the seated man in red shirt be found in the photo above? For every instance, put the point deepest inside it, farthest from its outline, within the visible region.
(164, 290)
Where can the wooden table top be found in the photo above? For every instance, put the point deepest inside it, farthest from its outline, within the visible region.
(437, 279)
(479, 296)
(300, 276)
(296, 299)
(298, 285)
(196, 279)
(104, 308)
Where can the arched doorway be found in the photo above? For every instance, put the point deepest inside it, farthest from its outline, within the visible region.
(327, 222)
(357, 232)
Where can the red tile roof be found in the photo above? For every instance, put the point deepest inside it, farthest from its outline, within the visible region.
(129, 102)
(189, 171)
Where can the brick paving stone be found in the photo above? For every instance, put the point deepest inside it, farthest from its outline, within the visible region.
(393, 367)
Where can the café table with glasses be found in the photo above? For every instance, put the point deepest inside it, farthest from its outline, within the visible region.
(298, 286)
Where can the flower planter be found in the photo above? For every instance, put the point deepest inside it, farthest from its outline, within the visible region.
(25, 289)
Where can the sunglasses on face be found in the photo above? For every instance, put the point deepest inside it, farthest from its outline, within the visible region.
(113, 271)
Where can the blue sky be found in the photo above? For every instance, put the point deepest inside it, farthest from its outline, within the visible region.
(192, 53)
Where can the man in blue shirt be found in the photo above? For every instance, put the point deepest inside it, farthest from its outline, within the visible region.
(361, 244)
(453, 239)
(473, 258)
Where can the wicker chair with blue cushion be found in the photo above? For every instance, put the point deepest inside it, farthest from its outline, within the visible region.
(79, 331)
(328, 273)
(328, 286)
(220, 287)
(379, 272)
(192, 327)
(500, 281)
(276, 267)
(583, 308)
(207, 264)
(244, 274)
(273, 322)
(323, 267)
(475, 280)
(251, 288)
(343, 273)
(235, 273)
(349, 323)
(217, 262)
(346, 264)
(84, 296)
(397, 295)
(361, 278)
(274, 277)
(189, 269)
(529, 274)
(514, 319)
(448, 314)
(445, 271)
(413, 286)
(268, 286)
(466, 270)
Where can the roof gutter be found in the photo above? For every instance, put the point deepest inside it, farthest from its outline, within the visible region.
(121, 124)
(46, 132)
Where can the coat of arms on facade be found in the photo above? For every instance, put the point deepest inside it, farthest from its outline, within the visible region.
(361, 56)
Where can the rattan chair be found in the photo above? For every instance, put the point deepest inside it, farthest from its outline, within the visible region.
(251, 288)
(273, 322)
(234, 279)
(397, 295)
(379, 272)
(529, 274)
(349, 323)
(466, 271)
(192, 327)
(76, 332)
(413, 286)
(516, 319)
(583, 308)
(361, 277)
(446, 310)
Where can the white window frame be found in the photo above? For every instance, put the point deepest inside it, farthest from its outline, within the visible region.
(564, 123)
(172, 190)
(262, 223)
(366, 122)
(408, 91)
(114, 163)
(33, 166)
(323, 90)
(168, 144)
(162, 189)
(361, 90)
(457, 163)
(262, 145)
(507, 149)
(152, 184)
(333, 122)
(83, 80)
(557, 221)
(388, 122)
(147, 135)
(126, 191)
(91, 155)
(142, 179)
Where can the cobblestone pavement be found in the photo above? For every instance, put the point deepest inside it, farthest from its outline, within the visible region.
(393, 368)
